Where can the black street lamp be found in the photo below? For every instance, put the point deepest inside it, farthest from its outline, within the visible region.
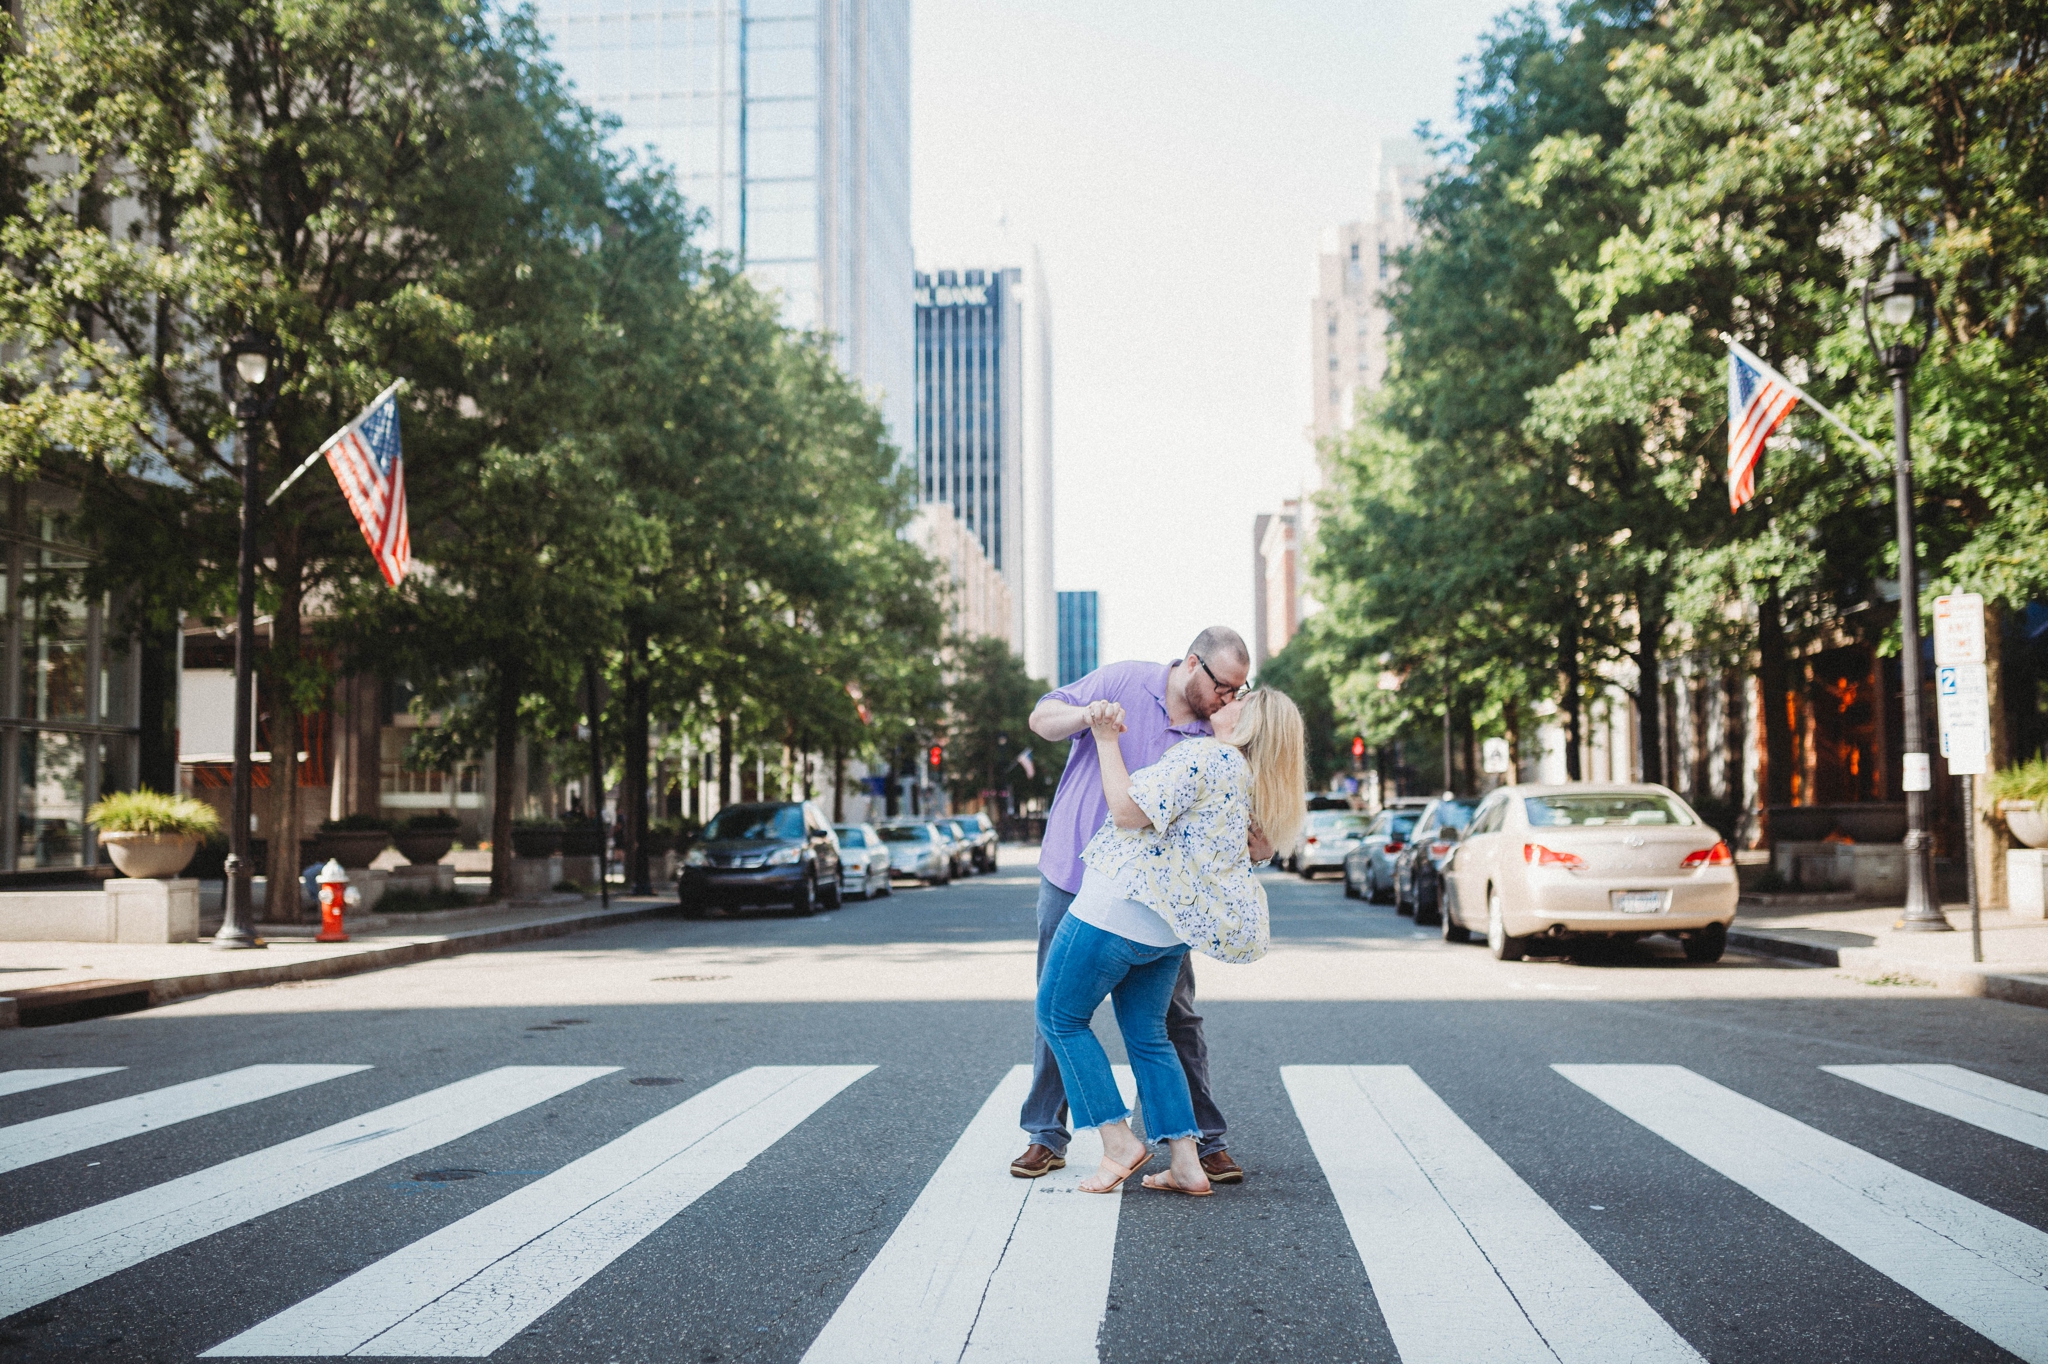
(245, 372)
(1900, 334)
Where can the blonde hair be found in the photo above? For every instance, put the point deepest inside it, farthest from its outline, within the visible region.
(1269, 734)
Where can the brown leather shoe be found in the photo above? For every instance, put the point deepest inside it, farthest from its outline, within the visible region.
(1040, 1160)
(1221, 1169)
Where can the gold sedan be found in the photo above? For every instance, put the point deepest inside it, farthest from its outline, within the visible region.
(1619, 860)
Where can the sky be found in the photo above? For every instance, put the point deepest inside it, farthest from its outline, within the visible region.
(1175, 164)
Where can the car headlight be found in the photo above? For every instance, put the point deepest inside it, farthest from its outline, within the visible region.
(784, 857)
(695, 858)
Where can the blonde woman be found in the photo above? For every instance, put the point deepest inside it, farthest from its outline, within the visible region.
(1168, 873)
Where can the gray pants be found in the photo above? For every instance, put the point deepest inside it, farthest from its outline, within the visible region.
(1045, 1107)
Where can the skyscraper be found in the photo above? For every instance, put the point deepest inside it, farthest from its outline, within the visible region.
(788, 123)
(1080, 635)
(984, 423)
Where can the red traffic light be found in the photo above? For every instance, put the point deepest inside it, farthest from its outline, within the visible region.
(938, 755)
(1358, 745)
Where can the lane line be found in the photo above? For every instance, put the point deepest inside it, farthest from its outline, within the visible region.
(20, 1081)
(473, 1285)
(83, 1128)
(1987, 1270)
(1979, 1100)
(39, 1262)
(965, 1275)
(1466, 1260)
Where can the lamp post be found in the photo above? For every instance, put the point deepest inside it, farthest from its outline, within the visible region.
(1900, 334)
(245, 372)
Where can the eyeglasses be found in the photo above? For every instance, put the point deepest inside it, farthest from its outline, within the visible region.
(1222, 688)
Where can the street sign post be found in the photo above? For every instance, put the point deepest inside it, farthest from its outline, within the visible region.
(1962, 700)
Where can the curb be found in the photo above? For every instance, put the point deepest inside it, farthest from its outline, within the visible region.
(1976, 981)
(168, 989)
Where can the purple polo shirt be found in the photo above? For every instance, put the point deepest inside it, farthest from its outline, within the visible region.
(1078, 807)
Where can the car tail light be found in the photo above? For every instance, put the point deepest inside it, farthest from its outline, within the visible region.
(1396, 846)
(1439, 849)
(1716, 856)
(1536, 855)
(1311, 840)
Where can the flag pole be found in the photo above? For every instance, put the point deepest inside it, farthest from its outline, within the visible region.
(1747, 354)
(328, 444)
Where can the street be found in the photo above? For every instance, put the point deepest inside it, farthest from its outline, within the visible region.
(765, 1138)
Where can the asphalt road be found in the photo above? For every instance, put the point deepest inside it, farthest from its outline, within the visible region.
(762, 1138)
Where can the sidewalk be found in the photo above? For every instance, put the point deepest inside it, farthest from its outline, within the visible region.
(1833, 930)
(54, 982)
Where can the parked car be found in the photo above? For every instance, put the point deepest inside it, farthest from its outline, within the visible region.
(981, 831)
(863, 861)
(1418, 869)
(1614, 860)
(761, 853)
(918, 851)
(964, 861)
(1326, 835)
(1369, 866)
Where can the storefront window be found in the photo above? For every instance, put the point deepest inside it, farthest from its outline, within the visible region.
(51, 822)
(54, 626)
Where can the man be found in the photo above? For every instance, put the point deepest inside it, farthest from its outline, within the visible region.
(1163, 704)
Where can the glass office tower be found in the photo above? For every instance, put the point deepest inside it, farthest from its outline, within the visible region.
(788, 123)
(1079, 635)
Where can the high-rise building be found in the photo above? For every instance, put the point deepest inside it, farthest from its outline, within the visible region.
(1358, 261)
(984, 432)
(1080, 635)
(788, 123)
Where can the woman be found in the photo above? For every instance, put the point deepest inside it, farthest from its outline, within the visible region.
(1169, 872)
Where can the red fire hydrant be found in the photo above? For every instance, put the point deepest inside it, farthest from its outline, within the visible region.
(335, 895)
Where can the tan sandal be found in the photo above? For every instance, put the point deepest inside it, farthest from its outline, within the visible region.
(1137, 1165)
(1166, 1185)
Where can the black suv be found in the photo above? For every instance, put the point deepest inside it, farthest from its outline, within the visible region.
(779, 853)
(1419, 870)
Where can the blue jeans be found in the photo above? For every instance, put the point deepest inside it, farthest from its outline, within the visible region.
(1043, 1116)
(1085, 964)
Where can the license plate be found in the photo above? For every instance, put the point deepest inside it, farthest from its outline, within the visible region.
(1639, 902)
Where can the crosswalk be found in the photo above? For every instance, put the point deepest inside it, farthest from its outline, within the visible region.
(1465, 1259)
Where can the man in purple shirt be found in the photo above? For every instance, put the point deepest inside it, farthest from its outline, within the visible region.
(1163, 704)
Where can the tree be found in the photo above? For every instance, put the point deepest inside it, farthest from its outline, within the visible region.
(988, 726)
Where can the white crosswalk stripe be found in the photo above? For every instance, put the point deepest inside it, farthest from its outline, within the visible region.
(1466, 1260)
(1979, 1100)
(470, 1287)
(83, 1128)
(39, 1262)
(964, 1276)
(20, 1081)
(1987, 1270)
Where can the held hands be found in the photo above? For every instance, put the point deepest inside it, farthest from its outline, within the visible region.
(1106, 720)
(1257, 847)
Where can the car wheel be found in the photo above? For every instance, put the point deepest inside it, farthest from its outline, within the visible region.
(692, 907)
(1306, 872)
(832, 895)
(993, 859)
(805, 901)
(888, 886)
(1453, 930)
(1706, 944)
(1432, 914)
(1503, 945)
(1401, 906)
(1350, 888)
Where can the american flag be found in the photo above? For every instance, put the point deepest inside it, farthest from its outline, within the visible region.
(366, 462)
(1758, 399)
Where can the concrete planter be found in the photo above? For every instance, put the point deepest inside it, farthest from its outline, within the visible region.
(353, 848)
(2026, 822)
(424, 849)
(149, 856)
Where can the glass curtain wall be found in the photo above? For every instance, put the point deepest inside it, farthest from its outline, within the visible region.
(68, 722)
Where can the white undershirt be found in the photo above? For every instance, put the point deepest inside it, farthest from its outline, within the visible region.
(1102, 903)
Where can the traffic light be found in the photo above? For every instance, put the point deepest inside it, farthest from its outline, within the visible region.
(1358, 745)
(938, 756)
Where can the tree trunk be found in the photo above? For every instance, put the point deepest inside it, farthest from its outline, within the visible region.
(724, 765)
(504, 784)
(1772, 663)
(838, 783)
(1450, 750)
(634, 786)
(1568, 664)
(281, 678)
(593, 798)
(1512, 713)
(1650, 687)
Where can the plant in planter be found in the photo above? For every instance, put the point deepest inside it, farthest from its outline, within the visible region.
(2022, 795)
(150, 834)
(355, 840)
(536, 837)
(426, 839)
(582, 837)
(670, 835)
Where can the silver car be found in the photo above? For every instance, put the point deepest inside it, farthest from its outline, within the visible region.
(863, 861)
(1616, 860)
(918, 851)
(1326, 837)
(1369, 866)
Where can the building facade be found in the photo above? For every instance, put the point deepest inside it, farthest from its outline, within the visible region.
(1276, 583)
(1357, 262)
(983, 445)
(979, 601)
(1080, 635)
(788, 123)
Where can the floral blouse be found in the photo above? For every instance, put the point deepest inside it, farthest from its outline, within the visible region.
(1191, 865)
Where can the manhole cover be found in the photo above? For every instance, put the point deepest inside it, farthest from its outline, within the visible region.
(655, 1080)
(689, 978)
(567, 1022)
(446, 1176)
